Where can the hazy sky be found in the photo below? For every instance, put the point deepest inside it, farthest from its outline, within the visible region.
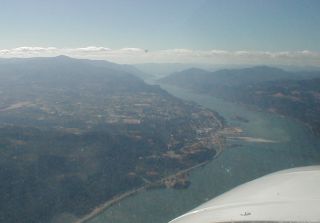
(231, 26)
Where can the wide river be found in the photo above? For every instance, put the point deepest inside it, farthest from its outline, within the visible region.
(295, 146)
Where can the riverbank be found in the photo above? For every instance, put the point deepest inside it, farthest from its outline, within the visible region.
(152, 185)
(252, 139)
(108, 204)
(127, 194)
(296, 147)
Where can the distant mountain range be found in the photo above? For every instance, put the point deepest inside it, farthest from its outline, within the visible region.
(47, 62)
(160, 70)
(233, 77)
(294, 94)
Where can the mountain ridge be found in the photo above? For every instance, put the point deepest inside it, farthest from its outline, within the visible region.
(73, 135)
(233, 77)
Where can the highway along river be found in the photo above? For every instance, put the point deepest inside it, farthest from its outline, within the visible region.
(268, 143)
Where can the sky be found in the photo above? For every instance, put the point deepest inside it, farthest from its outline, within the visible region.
(137, 31)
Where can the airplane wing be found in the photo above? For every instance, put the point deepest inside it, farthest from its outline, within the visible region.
(291, 195)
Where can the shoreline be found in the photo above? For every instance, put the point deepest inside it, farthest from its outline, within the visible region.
(117, 198)
(98, 210)
(101, 208)
(224, 131)
(252, 139)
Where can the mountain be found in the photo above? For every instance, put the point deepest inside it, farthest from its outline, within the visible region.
(29, 63)
(299, 99)
(76, 133)
(233, 77)
(294, 94)
(161, 70)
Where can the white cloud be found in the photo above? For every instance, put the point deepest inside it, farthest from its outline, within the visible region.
(92, 49)
(138, 55)
(27, 51)
(133, 50)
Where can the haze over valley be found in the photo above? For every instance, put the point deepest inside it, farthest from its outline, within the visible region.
(294, 94)
(76, 133)
(124, 111)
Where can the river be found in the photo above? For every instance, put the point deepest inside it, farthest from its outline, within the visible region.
(240, 162)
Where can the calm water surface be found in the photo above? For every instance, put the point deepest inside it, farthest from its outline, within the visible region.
(236, 165)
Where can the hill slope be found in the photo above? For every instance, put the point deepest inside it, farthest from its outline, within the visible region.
(73, 134)
(294, 94)
(195, 77)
